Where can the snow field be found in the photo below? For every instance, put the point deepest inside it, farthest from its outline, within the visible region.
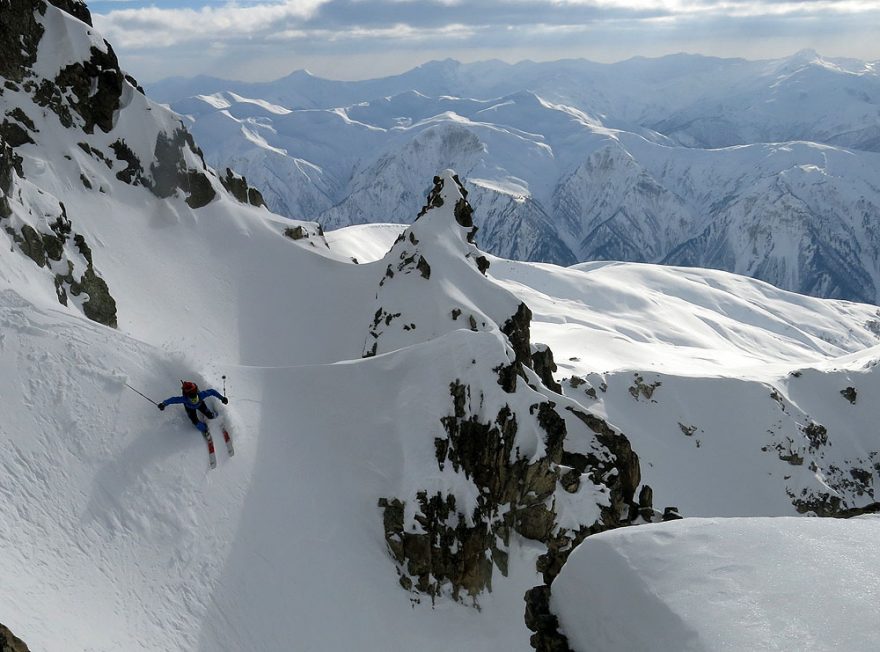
(333, 439)
(112, 532)
(116, 535)
(725, 584)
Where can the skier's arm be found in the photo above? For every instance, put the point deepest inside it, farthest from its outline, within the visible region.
(215, 394)
(173, 400)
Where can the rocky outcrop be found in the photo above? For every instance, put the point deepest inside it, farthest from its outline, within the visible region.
(10, 165)
(238, 187)
(444, 545)
(545, 367)
(171, 172)
(16, 128)
(47, 242)
(50, 249)
(92, 89)
(9, 642)
(85, 96)
(543, 622)
(514, 494)
(20, 34)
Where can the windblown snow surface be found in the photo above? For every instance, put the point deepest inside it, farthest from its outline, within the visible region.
(114, 533)
(725, 584)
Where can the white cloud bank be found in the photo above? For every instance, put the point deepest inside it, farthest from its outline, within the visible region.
(268, 39)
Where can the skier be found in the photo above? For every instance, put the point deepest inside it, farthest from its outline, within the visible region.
(192, 399)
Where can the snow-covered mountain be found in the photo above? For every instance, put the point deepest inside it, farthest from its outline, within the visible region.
(412, 460)
(766, 168)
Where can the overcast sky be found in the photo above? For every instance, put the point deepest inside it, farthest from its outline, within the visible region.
(358, 39)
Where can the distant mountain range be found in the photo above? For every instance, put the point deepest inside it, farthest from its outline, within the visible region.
(765, 168)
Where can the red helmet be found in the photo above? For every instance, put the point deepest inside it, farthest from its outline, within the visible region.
(189, 388)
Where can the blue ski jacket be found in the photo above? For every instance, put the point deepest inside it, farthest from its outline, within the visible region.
(190, 403)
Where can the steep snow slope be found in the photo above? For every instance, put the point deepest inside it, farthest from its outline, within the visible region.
(365, 242)
(714, 584)
(116, 535)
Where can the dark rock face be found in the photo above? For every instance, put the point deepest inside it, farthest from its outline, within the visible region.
(169, 165)
(9, 642)
(514, 495)
(95, 86)
(872, 508)
(133, 174)
(435, 199)
(238, 187)
(544, 365)
(448, 551)
(10, 164)
(626, 463)
(543, 622)
(20, 34)
(646, 503)
(201, 191)
(170, 171)
(817, 435)
(15, 128)
(44, 247)
(88, 91)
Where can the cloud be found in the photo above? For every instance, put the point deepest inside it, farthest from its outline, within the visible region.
(302, 19)
(304, 29)
(155, 26)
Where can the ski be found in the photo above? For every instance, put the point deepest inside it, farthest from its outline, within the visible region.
(229, 447)
(212, 457)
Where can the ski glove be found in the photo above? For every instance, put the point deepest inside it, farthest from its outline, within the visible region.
(161, 406)
(224, 400)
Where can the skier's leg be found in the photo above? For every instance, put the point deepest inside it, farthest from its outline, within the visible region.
(203, 408)
(192, 416)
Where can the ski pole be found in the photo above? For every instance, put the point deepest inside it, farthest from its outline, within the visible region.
(144, 395)
(224, 385)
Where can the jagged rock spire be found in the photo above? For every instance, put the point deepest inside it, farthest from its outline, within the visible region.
(504, 448)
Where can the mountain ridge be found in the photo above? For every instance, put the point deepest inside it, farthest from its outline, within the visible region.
(673, 129)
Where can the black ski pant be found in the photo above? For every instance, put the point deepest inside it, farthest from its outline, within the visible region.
(201, 407)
